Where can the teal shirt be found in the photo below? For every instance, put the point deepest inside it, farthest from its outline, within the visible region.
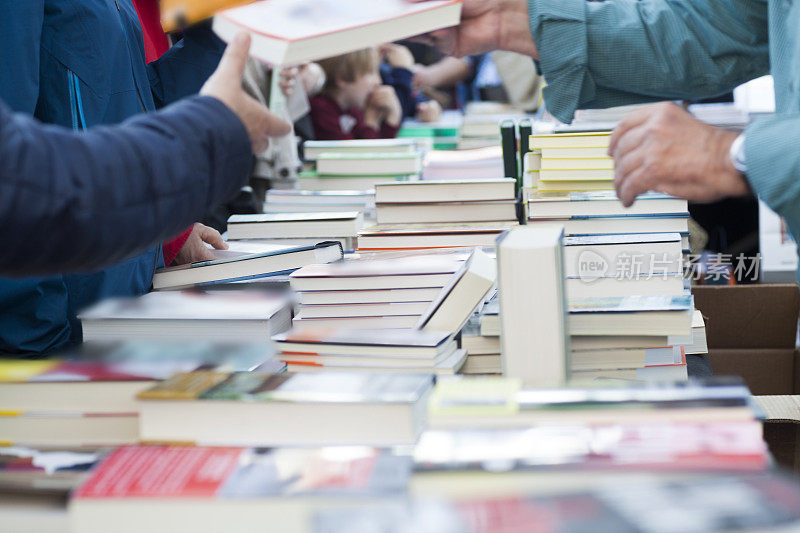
(617, 52)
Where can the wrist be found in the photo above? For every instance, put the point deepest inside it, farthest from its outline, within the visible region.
(733, 181)
(514, 31)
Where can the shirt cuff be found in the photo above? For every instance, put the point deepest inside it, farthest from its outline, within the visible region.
(559, 30)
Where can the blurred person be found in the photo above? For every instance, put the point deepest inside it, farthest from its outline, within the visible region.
(353, 104)
(78, 201)
(396, 70)
(80, 64)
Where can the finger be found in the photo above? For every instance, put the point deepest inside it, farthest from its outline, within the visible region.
(628, 122)
(271, 125)
(233, 61)
(212, 237)
(635, 184)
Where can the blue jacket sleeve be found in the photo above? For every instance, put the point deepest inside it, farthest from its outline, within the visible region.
(75, 202)
(20, 37)
(185, 67)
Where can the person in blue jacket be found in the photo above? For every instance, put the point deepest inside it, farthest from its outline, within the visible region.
(60, 202)
(79, 64)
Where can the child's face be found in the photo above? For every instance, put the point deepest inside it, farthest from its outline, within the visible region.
(358, 91)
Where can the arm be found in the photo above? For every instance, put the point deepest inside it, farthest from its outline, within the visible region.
(615, 52)
(183, 69)
(76, 202)
(446, 72)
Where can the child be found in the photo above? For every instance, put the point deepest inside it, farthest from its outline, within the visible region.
(353, 104)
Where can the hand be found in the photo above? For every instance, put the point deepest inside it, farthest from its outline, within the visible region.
(396, 55)
(429, 111)
(663, 148)
(194, 249)
(486, 25)
(384, 101)
(226, 86)
(288, 80)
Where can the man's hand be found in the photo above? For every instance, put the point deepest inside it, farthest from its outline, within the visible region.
(226, 85)
(663, 148)
(194, 249)
(383, 102)
(288, 80)
(486, 25)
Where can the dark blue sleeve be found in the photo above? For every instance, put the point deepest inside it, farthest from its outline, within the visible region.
(185, 67)
(75, 202)
(400, 79)
(20, 36)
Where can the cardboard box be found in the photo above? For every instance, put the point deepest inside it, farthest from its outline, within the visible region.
(752, 333)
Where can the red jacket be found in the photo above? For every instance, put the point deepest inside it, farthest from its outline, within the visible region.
(332, 123)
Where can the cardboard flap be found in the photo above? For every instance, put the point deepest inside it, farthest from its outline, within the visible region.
(780, 408)
(749, 316)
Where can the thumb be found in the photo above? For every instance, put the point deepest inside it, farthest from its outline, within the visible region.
(233, 61)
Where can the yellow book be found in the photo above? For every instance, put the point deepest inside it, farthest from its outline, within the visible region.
(15, 371)
(591, 174)
(578, 163)
(587, 151)
(576, 185)
(570, 140)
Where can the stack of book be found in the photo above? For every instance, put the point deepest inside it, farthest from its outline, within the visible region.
(313, 149)
(297, 201)
(569, 162)
(391, 350)
(463, 164)
(482, 345)
(371, 293)
(264, 409)
(482, 129)
(440, 135)
(360, 171)
(86, 398)
(450, 201)
(298, 229)
(221, 316)
(441, 214)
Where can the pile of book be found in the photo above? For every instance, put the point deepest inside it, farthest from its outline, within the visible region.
(365, 292)
(463, 164)
(569, 162)
(297, 201)
(482, 343)
(440, 214)
(360, 164)
(443, 134)
(481, 125)
(85, 398)
(297, 229)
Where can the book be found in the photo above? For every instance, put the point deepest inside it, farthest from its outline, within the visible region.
(458, 165)
(408, 343)
(209, 315)
(630, 284)
(622, 225)
(600, 203)
(631, 315)
(661, 365)
(427, 294)
(572, 185)
(569, 175)
(474, 190)
(482, 364)
(104, 377)
(312, 148)
(463, 293)
(696, 342)
(300, 321)
(212, 488)
(445, 366)
(257, 409)
(364, 309)
(534, 334)
(425, 213)
(369, 164)
(291, 32)
(68, 430)
(410, 272)
(313, 181)
(245, 266)
(425, 236)
(576, 163)
(294, 225)
(570, 140)
(43, 472)
(299, 201)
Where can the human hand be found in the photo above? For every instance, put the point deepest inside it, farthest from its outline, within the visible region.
(663, 148)
(384, 100)
(396, 55)
(225, 84)
(486, 25)
(195, 249)
(288, 80)
(429, 111)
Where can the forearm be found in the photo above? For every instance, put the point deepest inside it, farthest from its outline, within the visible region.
(446, 72)
(615, 52)
(772, 152)
(76, 202)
